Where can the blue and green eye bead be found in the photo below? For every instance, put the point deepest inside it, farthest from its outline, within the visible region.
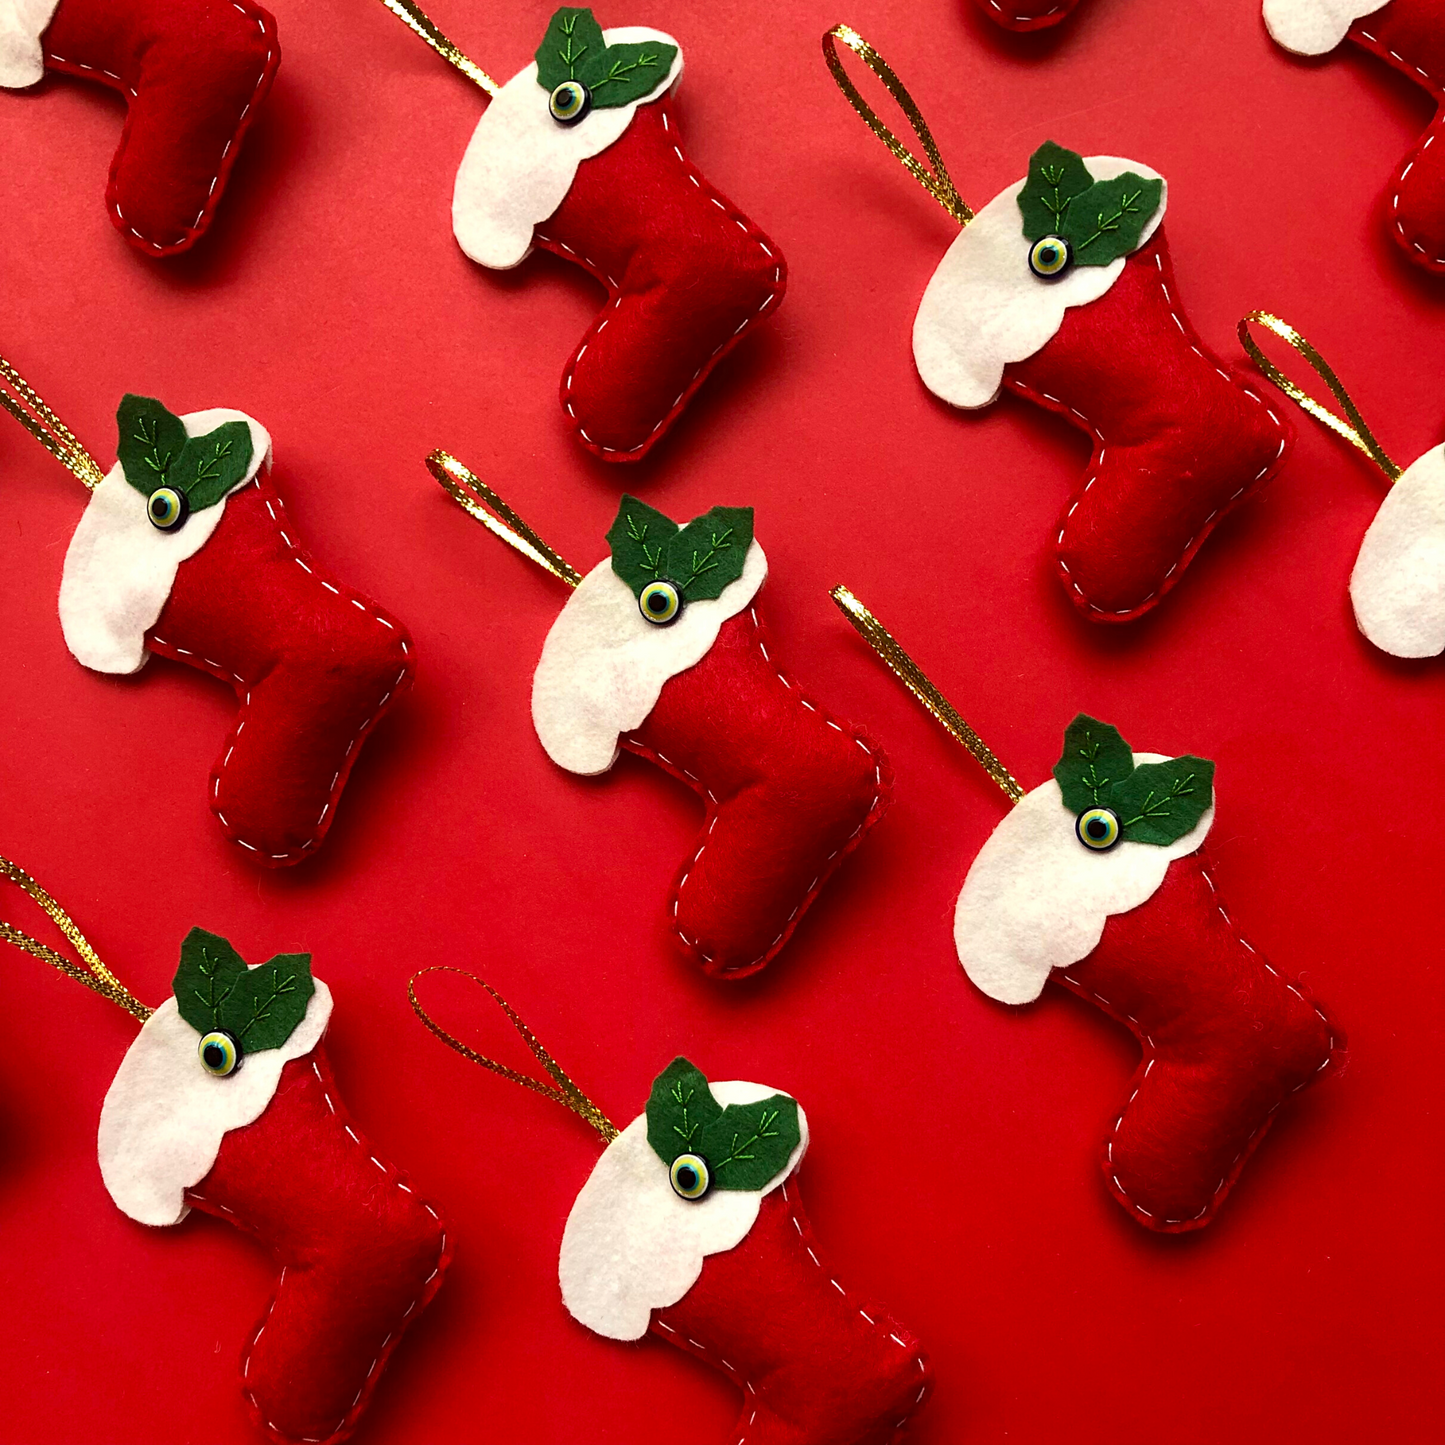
(569, 102)
(1098, 828)
(659, 602)
(689, 1176)
(1049, 257)
(219, 1053)
(166, 508)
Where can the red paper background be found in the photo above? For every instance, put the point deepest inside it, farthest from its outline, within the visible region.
(953, 1167)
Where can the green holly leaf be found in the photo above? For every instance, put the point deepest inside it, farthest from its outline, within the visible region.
(210, 466)
(1056, 176)
(151, 442)
(745, 1146)
(572, 37)
(708, 553)
(639, 539)
(259, 1007)
(574, 49)
(1160, 802)
(1095, 758)
(1108, 220)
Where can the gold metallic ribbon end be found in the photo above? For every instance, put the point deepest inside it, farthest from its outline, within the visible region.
(416, 19)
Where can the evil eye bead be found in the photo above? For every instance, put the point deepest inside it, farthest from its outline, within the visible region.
(690, 1179)
(1097, 829)
(569, 102)
(1050, 257)
(659, 603)
(219, 1054)
(166, 508)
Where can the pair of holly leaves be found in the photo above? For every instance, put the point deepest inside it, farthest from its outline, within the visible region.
(155, 451)
(259, 1007)
(699, 560)
(1099, 220)
(574, 49)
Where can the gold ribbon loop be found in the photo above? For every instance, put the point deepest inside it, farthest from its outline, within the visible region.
(1354, 430)
(415, 18)
(471, 493)
(27, 406)
(913, 678)
(933, 177)
(95, 975)
(566, 1092)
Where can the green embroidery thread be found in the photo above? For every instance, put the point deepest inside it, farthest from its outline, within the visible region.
(154, 451)
(574, 49)
(1100, 220)
(700, 559)
(259, 1007)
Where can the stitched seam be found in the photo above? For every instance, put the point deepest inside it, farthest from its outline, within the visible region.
(1020, 19)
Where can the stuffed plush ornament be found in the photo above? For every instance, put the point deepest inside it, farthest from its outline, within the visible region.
(691, 1227)
(1061, 289)
(1097, 880)
(660, 650)
(193, 74)
(185, 551)
(1410, 36)
(1024, 15)
(225, 1102)
(579, 153)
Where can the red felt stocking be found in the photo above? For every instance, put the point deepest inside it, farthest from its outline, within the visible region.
(361, 1256)
(686, 274)
(315, 667)
(1027, 14)
(817, 1364)
(1226, 1041)
(193, 73)
(790, 793)
(1178, 440)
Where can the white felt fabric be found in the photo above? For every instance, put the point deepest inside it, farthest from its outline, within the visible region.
(119, 569)
(632, 1245)
(1312, 27)
(1398, 585)
(519, 163)
(22, 23)
(164, 1116)
(1037, 899)
(984, 308)
(604, 664)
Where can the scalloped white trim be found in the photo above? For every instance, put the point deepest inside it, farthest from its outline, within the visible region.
(22, 23)
(1314, 27)
(604, 664)
(1036, 899)
(984, 308)
(1398, 585)
(164, 1116)
(519, 163)
(119, 569)
(632, 1246)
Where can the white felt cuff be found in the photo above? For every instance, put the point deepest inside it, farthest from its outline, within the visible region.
(984, 308)
(119, 569)
(1037, 899)
(22, 23)
(604, 664)
(632, 1245)
(164, 1115)
(1312, 27)
(519, 164)
(1398, 585)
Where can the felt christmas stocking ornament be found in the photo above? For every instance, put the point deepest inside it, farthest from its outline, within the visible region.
(580, 153)
(1410, 36)
(185, 550)
(1097, 879)
(1023, 15)
(1398, 583)
(225, 1102)
(193, 74)
(1061, 289)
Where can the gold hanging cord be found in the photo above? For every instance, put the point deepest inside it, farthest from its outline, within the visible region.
(474, 496)
(95, 975)
(26, 405)
(913, 678)
(415, 18)
(566, 1092)
(1354, 431)
(933, 177)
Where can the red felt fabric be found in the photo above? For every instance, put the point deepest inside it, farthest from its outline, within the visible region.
(360, 1254)
(790, 792)
(686, 274)
(818, 1363)
(1227, 1040)
(314, 664)
(193, 73)
(1179, 441)
(1024, 15)
(1410, 35)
